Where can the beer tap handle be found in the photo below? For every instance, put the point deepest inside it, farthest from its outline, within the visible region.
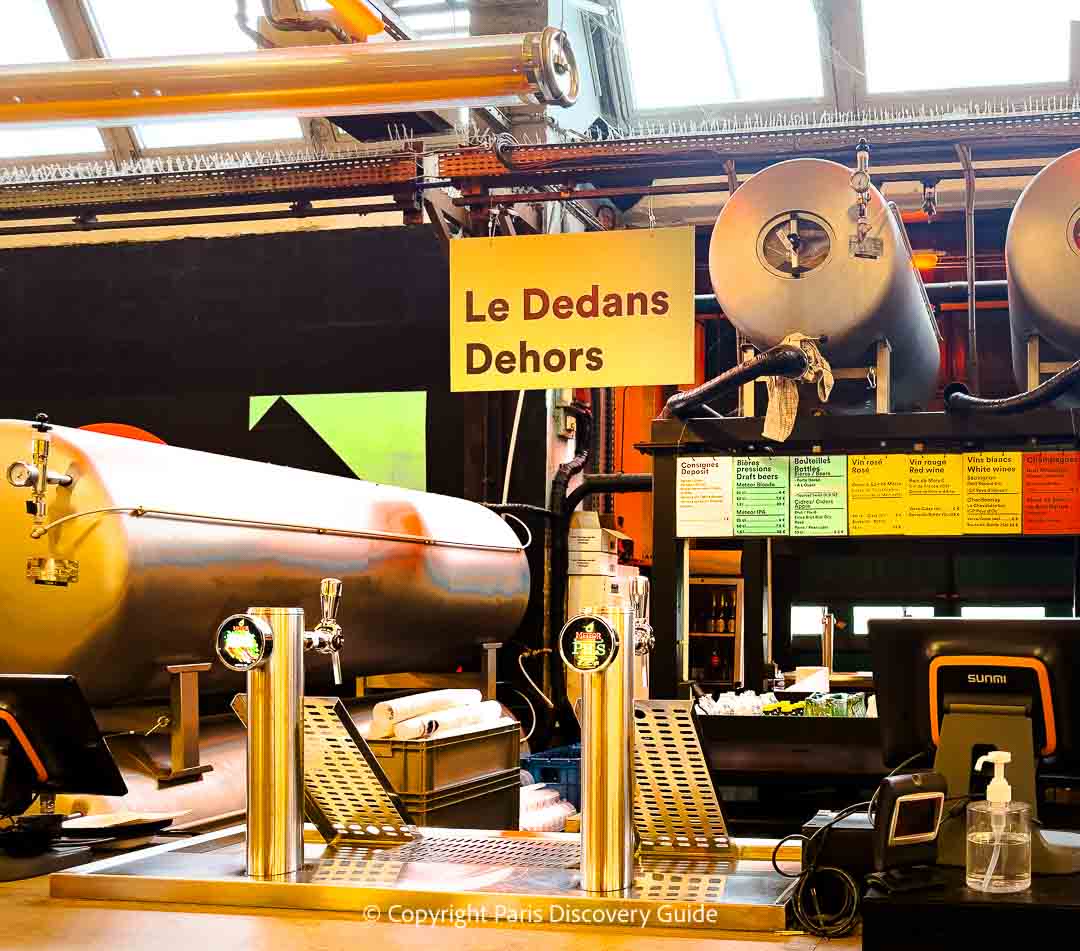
(330, 599)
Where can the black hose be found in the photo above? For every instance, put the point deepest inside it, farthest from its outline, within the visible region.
(608, 482)
(959, 400)
(560, 552)
(784, 360)
(564, 505)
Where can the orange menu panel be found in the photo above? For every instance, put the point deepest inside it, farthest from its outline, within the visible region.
(1051, 493)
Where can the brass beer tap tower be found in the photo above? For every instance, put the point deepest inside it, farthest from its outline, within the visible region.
(269, 644)
(601, 646)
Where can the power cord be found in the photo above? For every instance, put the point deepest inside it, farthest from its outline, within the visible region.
(805, 902)
(805, 895)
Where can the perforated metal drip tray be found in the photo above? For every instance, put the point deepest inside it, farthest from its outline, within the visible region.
(449, 875)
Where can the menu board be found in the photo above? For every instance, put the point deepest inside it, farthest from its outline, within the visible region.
(818, 495)
(877, 494)
(761, 495)
(935, 492)
(993, 493)
(703, 496)
(1051, 493)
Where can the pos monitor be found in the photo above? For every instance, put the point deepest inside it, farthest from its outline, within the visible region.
(960, 688)
(49, 742)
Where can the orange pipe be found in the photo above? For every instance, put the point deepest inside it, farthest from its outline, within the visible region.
(526, 68)
(360, 19)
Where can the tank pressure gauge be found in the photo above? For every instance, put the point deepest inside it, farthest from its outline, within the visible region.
(21, 475)
(244, 642)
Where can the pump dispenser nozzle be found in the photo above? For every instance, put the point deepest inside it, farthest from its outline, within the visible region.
(999, 792)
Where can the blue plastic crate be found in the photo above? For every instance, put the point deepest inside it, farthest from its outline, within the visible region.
(559, 768)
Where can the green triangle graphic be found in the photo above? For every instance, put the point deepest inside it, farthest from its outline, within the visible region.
(381, 437)
(258, 407)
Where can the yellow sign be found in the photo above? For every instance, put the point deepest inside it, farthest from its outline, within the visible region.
(877, 494)
(935, 492)
(567, 310)
(993, 493)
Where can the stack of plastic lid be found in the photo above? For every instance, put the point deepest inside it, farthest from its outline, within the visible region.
(542, 809)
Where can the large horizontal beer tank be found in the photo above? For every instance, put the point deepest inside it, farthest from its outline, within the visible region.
(1042, 261)
(851, 300)
(427, 578)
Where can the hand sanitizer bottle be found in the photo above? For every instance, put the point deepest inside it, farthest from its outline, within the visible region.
(998, 835)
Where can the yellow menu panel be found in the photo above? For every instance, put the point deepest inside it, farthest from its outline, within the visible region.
(877, 494)
(993, 493)
(935, 494)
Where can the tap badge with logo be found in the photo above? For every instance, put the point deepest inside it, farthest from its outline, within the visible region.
(588, 644)
(242, 642)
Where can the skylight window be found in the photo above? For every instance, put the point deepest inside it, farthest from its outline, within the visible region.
(30, 36)
(422, 18)
(196, 26)
(926, 44)
(707, 52)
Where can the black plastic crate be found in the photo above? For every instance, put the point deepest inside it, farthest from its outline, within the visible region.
(559, 768)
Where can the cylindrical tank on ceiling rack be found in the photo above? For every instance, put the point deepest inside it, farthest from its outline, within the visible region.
(1042, 261)
(427, 578)
(350, 79)
(808, 206)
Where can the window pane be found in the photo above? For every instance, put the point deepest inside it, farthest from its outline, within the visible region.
(427, 23)
(153, 28)
(864, 612)
(1002, 612)
(927, 44)
(29, 35)
(806, 619)
(700, 52)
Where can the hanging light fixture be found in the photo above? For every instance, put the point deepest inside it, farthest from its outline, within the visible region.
(351, 79)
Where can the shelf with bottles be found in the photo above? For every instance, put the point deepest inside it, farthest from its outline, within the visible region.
(713, 636)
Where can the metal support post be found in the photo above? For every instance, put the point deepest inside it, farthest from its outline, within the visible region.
(488, 668)
(183, 725)
(883, 377)
(746, 391)
(1034, 362)
(964, 153)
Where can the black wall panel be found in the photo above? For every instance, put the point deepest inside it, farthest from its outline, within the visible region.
(174, 336)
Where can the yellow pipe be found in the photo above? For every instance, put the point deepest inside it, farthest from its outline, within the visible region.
(300, 81)
(360, 19)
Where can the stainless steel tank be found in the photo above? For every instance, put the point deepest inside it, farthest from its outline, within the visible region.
(426, 578)
(1042, 260)
(824, 289)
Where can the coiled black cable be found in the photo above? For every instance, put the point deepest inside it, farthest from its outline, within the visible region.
(805, 902)
(959, 400)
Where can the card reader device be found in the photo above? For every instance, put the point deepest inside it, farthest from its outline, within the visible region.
(907, 816)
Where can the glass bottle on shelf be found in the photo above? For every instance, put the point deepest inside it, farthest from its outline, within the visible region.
(714, 614)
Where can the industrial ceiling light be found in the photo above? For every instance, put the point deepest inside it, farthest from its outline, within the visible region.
(525, 68)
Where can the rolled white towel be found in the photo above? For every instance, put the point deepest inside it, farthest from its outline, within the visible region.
(377, 730)
(422, 727)
(405, 708)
